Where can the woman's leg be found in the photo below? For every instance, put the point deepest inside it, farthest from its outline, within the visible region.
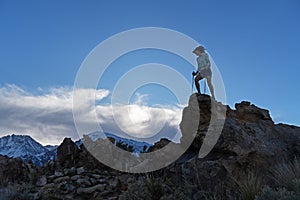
(197, 79)
(211, 87)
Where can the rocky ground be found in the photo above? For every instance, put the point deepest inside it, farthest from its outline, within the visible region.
(250, 144)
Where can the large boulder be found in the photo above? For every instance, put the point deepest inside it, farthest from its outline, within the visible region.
(67, 153)
(251, 113)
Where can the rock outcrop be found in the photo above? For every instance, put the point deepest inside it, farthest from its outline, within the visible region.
(12, 170)
(67, 153)
(249, 141)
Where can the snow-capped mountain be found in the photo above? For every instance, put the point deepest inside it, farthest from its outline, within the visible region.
(93, 136)
(138, 146)
(26, 148)
(51, 147)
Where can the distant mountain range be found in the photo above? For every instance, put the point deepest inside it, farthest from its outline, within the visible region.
(136, 145)
(26, 148)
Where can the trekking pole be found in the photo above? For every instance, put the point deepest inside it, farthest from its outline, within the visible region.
(192, 83)
(204, 86)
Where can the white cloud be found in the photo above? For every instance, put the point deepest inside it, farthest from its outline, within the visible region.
(141, 99)
(48, 116)
(138, 121)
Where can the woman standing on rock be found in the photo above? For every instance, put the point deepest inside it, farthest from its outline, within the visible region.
(204, 70)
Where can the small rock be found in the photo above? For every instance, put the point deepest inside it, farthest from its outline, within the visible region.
(95, 194)
(93, 181)
(70, 172)
(51, 177)
(58, 174)
(80, 170)
(61, 185)
(84, 181)
(102, 180)
(130, 180)
(50, 185)
(89, 190)
(97, 176)
(41, 181)
(75, 177)
(69, 187)
(61, 179)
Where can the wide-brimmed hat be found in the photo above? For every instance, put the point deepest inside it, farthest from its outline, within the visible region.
(199, 48)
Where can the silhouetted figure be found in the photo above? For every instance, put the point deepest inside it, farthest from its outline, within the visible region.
(204, 70)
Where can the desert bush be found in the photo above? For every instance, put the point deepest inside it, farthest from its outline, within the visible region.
(136, 191)
(286, 173)
(155, 187)
(279, 194)
(296, 186)
(147, 188)
(15, 192)
(250, 187)
(287, 178)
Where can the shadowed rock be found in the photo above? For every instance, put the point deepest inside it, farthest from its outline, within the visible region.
(67, 153)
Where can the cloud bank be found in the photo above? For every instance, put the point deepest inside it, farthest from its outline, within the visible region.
(48, 115)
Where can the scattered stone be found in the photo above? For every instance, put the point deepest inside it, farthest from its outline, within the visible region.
(50, 185)
(50, 178)
(102, 180)
(61, 179)
(97, 176)
(75, 177)
(80, 170)
(93, 181)
(69, 187)
(70, 172)
(58, 174)
(130, 180)
(89, 190)
(61, 186)
(41, 181)
(83, 182)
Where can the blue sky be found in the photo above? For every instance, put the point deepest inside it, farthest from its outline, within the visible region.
(255, 45)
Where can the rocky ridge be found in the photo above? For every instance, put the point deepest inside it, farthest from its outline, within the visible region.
(249, 142)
